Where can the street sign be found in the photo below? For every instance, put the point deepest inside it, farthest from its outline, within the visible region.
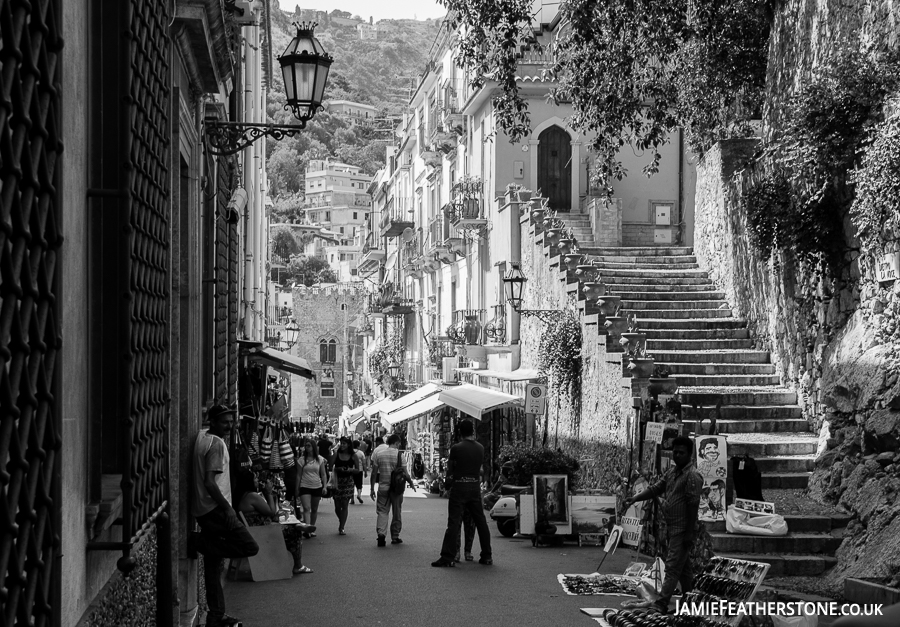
(535, 398)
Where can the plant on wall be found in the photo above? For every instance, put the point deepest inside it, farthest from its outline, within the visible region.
(559, 356)
(877, 179)
(528, 461)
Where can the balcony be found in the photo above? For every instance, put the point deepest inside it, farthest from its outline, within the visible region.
(372, 256)
(466, 209)
(397, 217)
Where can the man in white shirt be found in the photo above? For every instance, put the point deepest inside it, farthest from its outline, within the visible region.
(384, 460)
(221, 532)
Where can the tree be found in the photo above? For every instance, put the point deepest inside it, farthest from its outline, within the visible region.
(310, 270)
(284, 243)
(634, 72)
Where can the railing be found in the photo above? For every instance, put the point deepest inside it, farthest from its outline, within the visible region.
(411, 250)
(467, 200)
(400, 209)
(467, 327)
(436, 234)
(451, 90)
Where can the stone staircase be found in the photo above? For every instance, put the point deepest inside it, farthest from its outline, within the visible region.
(692, 332)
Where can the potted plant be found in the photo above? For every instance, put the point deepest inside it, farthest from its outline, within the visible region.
(633, 339)
(587, 272)
(609, 303)
(567, 243)
(640, 363)
(660, 382)
(593, 290)
(616, 324)
(553, 235)
(573, 261)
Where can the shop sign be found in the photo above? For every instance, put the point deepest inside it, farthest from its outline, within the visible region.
(654, 432)
(888, 267)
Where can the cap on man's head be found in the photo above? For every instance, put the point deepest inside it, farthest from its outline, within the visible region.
(215, 411)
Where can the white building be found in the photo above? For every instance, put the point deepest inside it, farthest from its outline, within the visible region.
(355, 112)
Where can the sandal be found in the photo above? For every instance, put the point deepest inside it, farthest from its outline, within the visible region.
(302, 570)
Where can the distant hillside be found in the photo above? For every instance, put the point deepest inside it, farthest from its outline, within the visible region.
(380, 72)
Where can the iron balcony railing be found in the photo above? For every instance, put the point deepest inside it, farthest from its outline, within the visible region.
(467, 200)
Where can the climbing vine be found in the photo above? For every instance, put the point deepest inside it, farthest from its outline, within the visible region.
(877, 179)
(559, 358)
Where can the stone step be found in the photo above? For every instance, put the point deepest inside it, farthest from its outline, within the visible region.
(633, 273)
(759, 445)
(744, 412)
(666, 259)
(710, 357)
(633, 277)
(808, 543)
(712, 395)
(697, 344)
(691, 323)
(662, 286)
(785, 480)
(789, 565)
(696, 334)
(674, 295)
(752, 425)
(676, 368)
(725, 379)
(611, 265)
(797, 523)
(666, 305)
(642, 251)
(680, 314)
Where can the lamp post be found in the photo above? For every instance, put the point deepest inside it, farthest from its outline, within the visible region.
(304, 67)
(514, 286)
(291, 333)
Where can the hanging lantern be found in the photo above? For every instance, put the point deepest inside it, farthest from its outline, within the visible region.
(514, 285)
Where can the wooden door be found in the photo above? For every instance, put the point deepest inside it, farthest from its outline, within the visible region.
(555, 168)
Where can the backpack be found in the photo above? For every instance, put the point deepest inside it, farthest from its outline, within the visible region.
(398, 477)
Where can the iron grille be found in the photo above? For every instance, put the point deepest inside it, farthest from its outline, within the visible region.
(146, 214)
(29, 315)
(222, 273)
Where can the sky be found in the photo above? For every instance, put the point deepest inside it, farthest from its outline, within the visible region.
(380, 10)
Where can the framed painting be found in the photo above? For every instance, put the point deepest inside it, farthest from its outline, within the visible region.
(551, 499)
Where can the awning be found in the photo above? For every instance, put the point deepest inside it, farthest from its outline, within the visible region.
(522, 374)
(475, 401)
(377, 406)
(282, 361)
(355, 415)
(412, 397)
(416, 409)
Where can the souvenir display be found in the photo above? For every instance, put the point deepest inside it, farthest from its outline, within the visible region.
(599, 584)
(727, 579)
(712, 466)
(652, 618)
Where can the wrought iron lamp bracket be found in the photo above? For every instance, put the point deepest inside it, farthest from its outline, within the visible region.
(544, 315)
(227, 138)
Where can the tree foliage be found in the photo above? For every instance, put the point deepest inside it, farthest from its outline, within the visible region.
(310, 270)
(632, 71)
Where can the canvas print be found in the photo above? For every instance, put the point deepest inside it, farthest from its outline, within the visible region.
(759, 507)
(712, 458)
(551, 499)
(593, 514)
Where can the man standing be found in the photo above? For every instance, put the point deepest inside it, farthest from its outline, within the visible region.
(464, 465)
(358, 477)
(680, 486)
(221, 533)
(384, 460)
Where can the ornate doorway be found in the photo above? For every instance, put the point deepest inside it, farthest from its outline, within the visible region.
(555, 167)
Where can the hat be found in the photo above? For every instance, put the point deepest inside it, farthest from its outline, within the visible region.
(218, 410)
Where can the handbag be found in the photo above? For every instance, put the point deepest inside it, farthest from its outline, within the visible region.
(285, 451)
(398, 477)
(275, 460)
(265, 449)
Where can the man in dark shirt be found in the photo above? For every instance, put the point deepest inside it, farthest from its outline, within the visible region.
(325, 449)
(464, 465)
(680, 486)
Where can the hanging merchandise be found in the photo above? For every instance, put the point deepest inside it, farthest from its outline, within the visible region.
(275, 461)
(253, 448)
(712, 455)
(285, 451)
(266, 448)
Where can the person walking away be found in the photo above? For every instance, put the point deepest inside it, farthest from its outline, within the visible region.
(312, 477)
(464, 465)
(419, 467)
(346, 467)
(222, 535)
(358, 477)
(325, 445)
(259, 509)
(384, 460)
(680, 486)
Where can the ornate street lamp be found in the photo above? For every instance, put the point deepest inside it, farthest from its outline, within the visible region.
(393, 370)
(304, 67)
(291, 333)
(514, 286)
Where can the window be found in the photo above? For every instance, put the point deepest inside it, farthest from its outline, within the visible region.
(327, 351)
(327, 216)
(354, 215)
(341, 229)
(327, 389)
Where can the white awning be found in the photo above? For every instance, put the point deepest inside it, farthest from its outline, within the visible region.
(475, 401)
(377, 406)
(282, 361)
(355, 415)
(522, 374)
(412, 411)
(412, 397)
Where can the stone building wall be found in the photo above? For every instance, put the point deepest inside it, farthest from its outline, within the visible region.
(320, 315)
(597, 435)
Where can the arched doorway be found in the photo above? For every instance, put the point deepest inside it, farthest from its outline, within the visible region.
(555, 167)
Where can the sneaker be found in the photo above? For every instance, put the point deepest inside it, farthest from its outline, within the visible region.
(396, 541)
(470, 557)
(381, 541)
(486, 561)
(224, 621)
(307, 528)
(360, 499)
(441, 563)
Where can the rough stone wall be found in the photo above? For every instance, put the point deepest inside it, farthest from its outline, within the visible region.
(597, 435)
(128, 599)
(319, 315)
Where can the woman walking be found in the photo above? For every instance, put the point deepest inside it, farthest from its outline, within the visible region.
(346, 467)
(312, 477)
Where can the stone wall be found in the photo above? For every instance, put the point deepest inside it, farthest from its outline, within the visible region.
(598, 434)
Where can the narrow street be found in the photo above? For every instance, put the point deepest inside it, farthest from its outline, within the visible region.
(356, 583)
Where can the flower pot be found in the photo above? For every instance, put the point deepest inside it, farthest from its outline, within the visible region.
(634, 340)
(616, 325)
(523, 195)
(593, 291)
(608, 304)
(587, 272)
(472, 330)
(641, 367)
(567, 245)
(663, 385)
(553, 236)
(468, 209)
(573, 260)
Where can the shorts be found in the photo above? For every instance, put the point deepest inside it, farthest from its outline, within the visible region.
(311, 492)
(357, 480)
